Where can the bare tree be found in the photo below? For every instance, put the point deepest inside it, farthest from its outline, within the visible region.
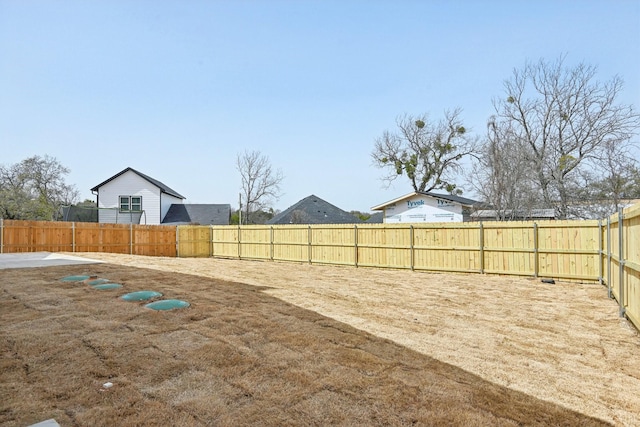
(15, 198)
(621, 173)
(35, 189)
(427, 153)
(299, 217)
(260, 183)
(502, 176)
(610, 181)
(566, 118)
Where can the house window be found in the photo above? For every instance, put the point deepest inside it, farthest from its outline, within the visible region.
(136, 203)
(131, 203)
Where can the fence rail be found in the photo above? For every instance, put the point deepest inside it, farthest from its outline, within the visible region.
(35, 236)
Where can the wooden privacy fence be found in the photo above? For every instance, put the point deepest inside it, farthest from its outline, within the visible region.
(559, 249)
(35, 236)
(622, 261)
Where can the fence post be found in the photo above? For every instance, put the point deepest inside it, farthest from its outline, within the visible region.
(271, 242)
(1, 236)
(610, 294)
(73, 236)
(600, 253)
(309, 240)
(177, 241)
(536, 261)
(211, 251)
(239, 252)
(621, 258)
(355, 244)
(411, 236)
(481, 248)
(130, 238)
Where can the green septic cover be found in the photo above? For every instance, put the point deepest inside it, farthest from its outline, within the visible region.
(74, 278)
(97, 282)
(107, 286)
(140, 295)
(167, 304)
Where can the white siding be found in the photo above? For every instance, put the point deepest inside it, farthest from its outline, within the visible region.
(130, 184)
(423, 209)
(108, 216)
(166, 201)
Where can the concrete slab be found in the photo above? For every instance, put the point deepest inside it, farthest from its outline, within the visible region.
(46, 423)
(40, 259)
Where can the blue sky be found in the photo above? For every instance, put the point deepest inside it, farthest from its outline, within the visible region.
(176, 89)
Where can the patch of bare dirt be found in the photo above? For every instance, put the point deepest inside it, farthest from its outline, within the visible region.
(486, 350)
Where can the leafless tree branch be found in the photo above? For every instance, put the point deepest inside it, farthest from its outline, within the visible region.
(260, 183)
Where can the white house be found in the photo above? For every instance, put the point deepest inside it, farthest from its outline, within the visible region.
(426, 207)
(133, 197)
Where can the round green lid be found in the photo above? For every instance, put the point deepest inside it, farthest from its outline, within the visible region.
(74, 278)
(141, 295)
(167, 304)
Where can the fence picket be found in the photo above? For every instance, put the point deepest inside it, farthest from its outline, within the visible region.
(52, 236)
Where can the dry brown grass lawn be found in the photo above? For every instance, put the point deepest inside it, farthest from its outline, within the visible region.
(286, 344)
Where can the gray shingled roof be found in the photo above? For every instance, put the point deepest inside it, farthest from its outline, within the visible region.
(202, 214)
(456, 199)
(164, 188)
(376, 218)
(313, 210)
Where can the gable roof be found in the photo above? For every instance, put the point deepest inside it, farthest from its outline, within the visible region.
(163, 188)
(450, 197)
(313, 210)
(202, 214)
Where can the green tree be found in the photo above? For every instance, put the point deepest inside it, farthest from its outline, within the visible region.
(257, 217)
(362, 216)
(35, 189)
(427, 153)
(235, 217)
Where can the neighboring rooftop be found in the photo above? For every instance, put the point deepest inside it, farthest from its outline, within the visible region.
(450, 197)
(163, 187)
(313, 210)
(198, 214)
(376, 218)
